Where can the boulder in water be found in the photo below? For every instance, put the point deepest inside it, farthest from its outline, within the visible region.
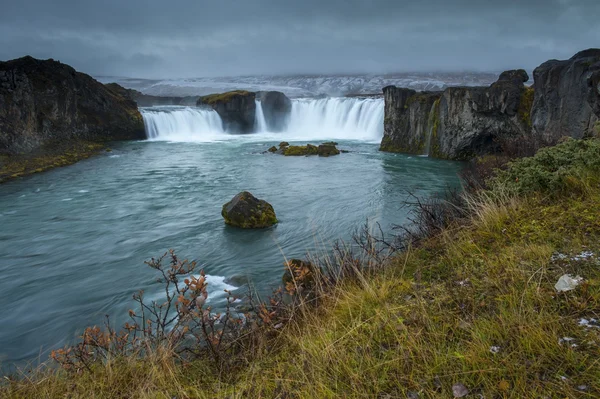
(273, 149)
(248, 212)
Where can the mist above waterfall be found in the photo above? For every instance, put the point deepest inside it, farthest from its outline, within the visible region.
(310, 119)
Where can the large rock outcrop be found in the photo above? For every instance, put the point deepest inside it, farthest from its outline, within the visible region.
(459, 122)
(462, 122)
(567, 97)
(408, 120)
(237, 109)
(46, 103)
(276, 108)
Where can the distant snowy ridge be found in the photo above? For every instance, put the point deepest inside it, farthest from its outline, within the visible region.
(304, 86)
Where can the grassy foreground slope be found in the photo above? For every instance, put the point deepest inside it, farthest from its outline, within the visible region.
(472, 310)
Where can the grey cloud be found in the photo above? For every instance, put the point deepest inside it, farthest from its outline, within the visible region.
(153, 38)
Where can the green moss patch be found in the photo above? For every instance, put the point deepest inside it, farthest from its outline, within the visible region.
(14, 166)
(223, 97)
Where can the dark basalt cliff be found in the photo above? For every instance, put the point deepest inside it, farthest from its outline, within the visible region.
(462, 122)
(567, 96)
(276, 108)
(237, 109)
(457, 123)
(45, 103)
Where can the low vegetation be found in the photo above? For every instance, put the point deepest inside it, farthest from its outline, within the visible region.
(223, 97)
(14, 166)
(470, 309)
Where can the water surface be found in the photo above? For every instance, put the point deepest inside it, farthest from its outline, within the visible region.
(73, 241)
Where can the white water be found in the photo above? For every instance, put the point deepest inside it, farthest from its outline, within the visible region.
(337, 118)
(260, 124)
(310, 119)
(182, 124)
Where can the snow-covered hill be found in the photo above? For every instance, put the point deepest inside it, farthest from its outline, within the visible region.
(304, 85)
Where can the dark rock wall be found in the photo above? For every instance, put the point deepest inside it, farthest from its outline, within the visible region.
(567, 97)
(276, 108)
(456, 123)
(237, 109)
(44, 102)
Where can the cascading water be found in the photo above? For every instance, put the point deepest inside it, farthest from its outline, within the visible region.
(310, 119)
(430, 128)
(260, 124)
(340, 118)
(182, 124)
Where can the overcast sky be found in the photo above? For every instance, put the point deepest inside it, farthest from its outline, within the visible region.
(177, 38)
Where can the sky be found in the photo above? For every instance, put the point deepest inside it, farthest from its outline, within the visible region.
(176, 38)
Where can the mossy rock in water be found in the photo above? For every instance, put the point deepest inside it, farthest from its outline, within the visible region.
(284, 144)
(273, 149)
(327, 149)
(323, 150)
(330, 143)
(248, 212)
(300, 150)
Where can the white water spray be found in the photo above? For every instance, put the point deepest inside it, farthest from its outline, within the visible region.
(182, 124)
(310, 119)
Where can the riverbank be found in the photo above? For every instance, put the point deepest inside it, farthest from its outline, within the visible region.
(20, 165)
(472, 310)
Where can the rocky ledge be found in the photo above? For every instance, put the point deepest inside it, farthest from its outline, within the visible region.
(463, 122)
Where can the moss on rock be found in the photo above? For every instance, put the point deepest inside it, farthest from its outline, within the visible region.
(222, 97)
(14, 166)
(248, 212)
(525, 106)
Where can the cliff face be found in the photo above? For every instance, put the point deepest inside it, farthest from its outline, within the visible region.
(567, 97)
(457, 123)
(470, 121)
(276, 107)
(237, 109)
(408, 124)
(473, 120)
(46, 103)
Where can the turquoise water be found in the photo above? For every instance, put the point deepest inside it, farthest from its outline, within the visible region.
(73, 240)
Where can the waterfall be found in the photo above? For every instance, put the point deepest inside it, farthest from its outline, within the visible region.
(430, 127)
(310, 119)
(338, 117)
(260, 124)
(182, 124)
